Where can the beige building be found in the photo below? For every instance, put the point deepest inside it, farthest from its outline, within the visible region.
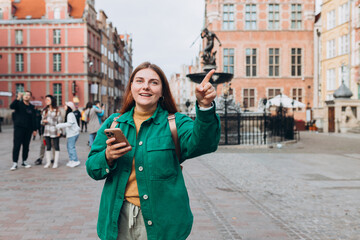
(338, 48)
(182, 89)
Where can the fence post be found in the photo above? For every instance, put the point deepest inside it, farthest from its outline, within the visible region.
(238, 128)
(226, 123)
(265, 126)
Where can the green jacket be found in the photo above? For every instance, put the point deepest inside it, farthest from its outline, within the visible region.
(163, 196)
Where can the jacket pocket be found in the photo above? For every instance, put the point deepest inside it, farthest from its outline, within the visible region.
(161, 158)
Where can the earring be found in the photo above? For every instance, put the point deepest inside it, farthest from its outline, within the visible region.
(161, 98)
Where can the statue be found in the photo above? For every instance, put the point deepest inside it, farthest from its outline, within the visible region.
(208, 56)
(348, 119)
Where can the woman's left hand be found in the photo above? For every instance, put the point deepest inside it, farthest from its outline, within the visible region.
(205, 91)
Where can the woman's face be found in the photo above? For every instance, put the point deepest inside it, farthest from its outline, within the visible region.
(48, 101)
(65, 107)
(146, 89)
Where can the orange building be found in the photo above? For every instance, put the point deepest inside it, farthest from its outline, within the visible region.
(55, 47)
(268, 46)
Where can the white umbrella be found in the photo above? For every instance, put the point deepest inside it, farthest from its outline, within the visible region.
(284, 101)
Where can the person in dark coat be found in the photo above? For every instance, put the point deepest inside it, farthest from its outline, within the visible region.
(24, 126)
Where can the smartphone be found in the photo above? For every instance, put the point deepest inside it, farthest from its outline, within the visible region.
(117, 134)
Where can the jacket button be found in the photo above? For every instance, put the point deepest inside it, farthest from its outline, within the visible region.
(107, 170)
(149, 222)
(141, 168)
(145, 196)
(140, 143)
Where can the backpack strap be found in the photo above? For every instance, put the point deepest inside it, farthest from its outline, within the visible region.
(174, 134)
(114, 123)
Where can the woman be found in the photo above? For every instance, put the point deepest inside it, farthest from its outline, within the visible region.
(144, 196)
(91, 114)
(72, 133)
(50, 117)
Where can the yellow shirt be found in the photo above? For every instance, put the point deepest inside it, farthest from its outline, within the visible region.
(131, 191)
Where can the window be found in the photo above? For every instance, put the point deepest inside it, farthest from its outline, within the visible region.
(250, 62)
(1, 13)
(296, 62)
(229, 60)
(57, 93)
(344, 75)
(274, 16)
(297, 95)
(344, 13)
(250, 16)
(57, 36)
(331, 49)
(274, 62)
(249, 97)
(57, 13)
(18, 37)
(344, 44)
(296, 16)
(273, 92)
(331, 20)
(228, 17)
(57, 62)
(19, 87)
(330, 79)
(19, 62)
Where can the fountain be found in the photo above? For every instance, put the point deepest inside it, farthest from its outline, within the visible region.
(209, 62)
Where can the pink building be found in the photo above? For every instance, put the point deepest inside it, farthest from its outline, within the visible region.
(51, 47)
(268, 46)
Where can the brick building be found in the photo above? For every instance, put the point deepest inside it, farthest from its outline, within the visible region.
(268, 46)
(57, 47)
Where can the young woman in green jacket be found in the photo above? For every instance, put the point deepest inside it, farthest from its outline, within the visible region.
(144, 196)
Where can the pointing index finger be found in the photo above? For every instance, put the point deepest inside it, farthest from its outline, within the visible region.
(207, 78)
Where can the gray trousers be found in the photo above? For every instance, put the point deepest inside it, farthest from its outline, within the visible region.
(131, 223)
(42, 148)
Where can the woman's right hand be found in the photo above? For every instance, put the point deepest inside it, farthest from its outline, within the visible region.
(114, 151)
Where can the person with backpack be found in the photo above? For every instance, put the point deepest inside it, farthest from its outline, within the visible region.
(93, 121)
(144, 195)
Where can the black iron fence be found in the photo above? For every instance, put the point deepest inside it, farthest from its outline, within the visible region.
(255, 128)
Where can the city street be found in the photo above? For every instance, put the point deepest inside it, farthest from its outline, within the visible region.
(306, 190)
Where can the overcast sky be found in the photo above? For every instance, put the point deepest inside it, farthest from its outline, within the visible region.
(162, 30)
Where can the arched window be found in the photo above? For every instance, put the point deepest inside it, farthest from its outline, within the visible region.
(57, 13)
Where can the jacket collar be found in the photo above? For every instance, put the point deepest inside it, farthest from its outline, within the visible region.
(128, 116)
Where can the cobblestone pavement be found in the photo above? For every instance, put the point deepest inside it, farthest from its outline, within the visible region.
(307, 190)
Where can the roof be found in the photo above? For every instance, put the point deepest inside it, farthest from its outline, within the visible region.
(33, 8)
(77, 8)
(36, 8)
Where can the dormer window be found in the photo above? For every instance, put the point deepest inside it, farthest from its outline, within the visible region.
(57, 13)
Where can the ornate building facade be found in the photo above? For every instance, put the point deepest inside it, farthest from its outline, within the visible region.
(59, 47)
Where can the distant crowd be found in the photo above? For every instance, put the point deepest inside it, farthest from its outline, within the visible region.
(51, 125)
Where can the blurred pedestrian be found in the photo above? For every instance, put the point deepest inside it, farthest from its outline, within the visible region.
(99, 106)
(77, 114)
(83, 117)
(24, 126)
(50, 117)
(43, 144)
(93, 121)
(72, 133)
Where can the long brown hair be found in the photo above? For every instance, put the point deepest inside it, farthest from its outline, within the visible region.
(167, 101)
